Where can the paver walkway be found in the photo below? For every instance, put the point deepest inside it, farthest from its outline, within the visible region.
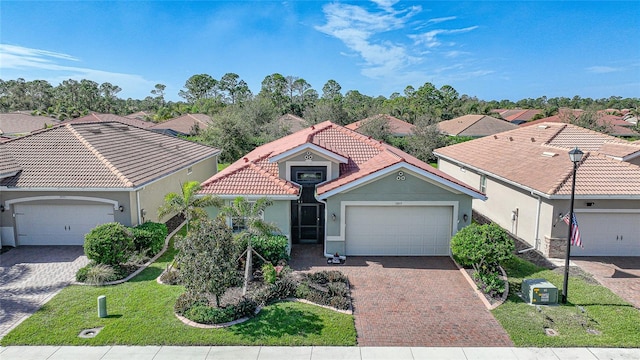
(30, 276)
(410, 301)
(620, 274)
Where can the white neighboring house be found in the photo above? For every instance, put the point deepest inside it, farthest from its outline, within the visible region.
(526, 174)
(58, 183)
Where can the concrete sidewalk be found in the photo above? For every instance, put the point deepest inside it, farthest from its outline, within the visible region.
(309, 353)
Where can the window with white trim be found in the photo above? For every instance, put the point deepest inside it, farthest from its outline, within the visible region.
(239, 224)
(483, 184)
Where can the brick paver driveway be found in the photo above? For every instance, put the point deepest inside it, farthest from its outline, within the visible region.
(410, 301)
(620, 274)
(30, 276)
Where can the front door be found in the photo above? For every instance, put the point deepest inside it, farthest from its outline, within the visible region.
(307, 214)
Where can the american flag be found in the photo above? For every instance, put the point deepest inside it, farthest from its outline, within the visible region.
(576, 240)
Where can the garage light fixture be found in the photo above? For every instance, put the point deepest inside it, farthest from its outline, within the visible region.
(121, 208)
(333, 217)
(1, 208)
(465, 217)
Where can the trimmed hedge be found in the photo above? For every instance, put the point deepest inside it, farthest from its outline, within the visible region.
(150, 236)
(273, 248)
(110, 244)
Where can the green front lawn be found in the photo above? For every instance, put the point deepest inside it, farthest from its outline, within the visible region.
(617, 321)
(141, 313)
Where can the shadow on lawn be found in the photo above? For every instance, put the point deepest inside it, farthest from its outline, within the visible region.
(277, 322)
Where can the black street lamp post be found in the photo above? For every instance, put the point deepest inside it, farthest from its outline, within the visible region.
(575, 155)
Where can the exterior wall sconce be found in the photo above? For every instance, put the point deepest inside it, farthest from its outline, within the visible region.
(333, 216)
(121, 208)
(465, 217)
(143, 212)
(1, 208)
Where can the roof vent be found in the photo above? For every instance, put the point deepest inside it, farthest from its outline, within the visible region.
(549, 154)
(123, 128)
(94, 130)
(543, 126)
(533, 139)
(510, 138)
(246, 159)
(495, 136)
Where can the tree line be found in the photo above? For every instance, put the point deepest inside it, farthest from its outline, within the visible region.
(243, 120)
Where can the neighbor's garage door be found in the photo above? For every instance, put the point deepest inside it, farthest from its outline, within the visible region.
(608, 234)
(398, 230)
(58, 224)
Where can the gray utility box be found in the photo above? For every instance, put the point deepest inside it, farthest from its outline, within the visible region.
(539, 292)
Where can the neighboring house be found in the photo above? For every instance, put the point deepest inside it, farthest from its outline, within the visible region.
(57, 184)
(526, 174)
(291, 123)
(140, 115)
(517, 116)
(18, 124)
(355, 195)
(184, 125)
(98, 118)
(397, 126)
(474, 126)
(615, 125)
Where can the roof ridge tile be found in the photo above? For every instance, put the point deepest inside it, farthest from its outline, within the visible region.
(99, 156)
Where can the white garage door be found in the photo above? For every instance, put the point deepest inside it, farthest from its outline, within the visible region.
(58, 224)
(608, 234)
(398, 230)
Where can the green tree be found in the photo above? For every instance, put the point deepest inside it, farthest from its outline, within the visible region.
(483, 247)
(207, 264)
(425, 138)
(246, 216)
(187, 204)
(200, 86)
(377, 127)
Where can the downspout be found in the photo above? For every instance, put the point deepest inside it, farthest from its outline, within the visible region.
(324, 241)
(138, 206)
(536, 239)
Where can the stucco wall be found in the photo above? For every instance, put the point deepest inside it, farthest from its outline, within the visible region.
(318, 160)
(152, 195)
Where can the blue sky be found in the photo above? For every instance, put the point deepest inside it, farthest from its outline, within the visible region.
(491, 50)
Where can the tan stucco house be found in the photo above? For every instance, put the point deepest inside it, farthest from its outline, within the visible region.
(526, 174)
(354, 195)
(57, 184)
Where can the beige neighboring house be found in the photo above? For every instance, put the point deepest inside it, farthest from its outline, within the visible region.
(20, 123)
(398, 127)
(98, 118)
(517, 116)
(615, 125)
(526, 174)
(59, 183)
(474, 126)
(183, 125)
(292, 123)
(140, 115)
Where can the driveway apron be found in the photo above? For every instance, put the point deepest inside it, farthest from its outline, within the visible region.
(620, 274)
(411, 301)
(30, 276)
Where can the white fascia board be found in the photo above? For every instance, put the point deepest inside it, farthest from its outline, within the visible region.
(43, 189)
(252, 196)
(307, 147)
(409, 167)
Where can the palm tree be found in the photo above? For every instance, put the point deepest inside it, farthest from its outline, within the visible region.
(188, 204)
(247, 215)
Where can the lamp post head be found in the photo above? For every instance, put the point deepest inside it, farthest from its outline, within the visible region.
(575, 155)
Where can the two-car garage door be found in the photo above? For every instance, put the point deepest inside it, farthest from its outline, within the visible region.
(608, 234)
(398, 230)
(58, 224)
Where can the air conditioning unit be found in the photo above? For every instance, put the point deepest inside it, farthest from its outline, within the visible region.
(539, 292)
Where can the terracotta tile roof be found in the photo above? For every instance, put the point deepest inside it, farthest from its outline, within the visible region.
(21, 123)
(185, 123)
(475, 125)
(8, 164)
(292, 123)
(95, 117)
(255, 175)
(617, 125)
(99, 155)
(536, 157)
(140, 115)
(517, 115)
(397, 126)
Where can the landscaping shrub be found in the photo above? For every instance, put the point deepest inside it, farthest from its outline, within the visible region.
(245, 307)
(81, 274)
(188, 299)
(269, 275)
(204, 314)
(170, 277)
(100, 273)
(149, 237)
(273, 248)
(325, 288)
(109, 244)
(483, 247)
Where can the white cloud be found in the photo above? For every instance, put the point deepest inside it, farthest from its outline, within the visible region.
(442, 19)
(49, 66)
(602, 69)
(430, 38)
